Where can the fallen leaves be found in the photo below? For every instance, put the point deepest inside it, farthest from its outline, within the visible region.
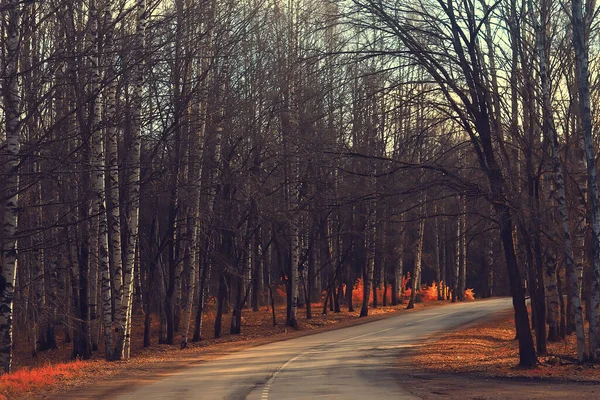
(489, 349)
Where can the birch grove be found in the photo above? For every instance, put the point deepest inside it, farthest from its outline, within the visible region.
(171, 165)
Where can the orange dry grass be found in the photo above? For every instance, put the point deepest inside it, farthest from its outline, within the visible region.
(490, 349)
(28, 379)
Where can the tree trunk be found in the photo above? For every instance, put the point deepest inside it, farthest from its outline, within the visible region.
(370, 259)
(583, 86)
(10, 161)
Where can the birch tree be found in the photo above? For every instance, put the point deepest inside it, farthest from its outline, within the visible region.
(10, 155)
(583, 89)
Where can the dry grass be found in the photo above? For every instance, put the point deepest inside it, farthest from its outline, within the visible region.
(490, 349)
(27, 380)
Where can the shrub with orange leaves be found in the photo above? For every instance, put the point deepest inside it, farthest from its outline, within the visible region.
(469, 295)
(26, 379)
(357, 293)
(429, 293)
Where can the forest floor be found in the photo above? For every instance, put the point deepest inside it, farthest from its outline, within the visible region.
(480, 361)
(53, 375)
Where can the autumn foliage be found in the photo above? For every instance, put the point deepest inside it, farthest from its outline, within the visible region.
(357, 293)
(469, 295)
(427, 293)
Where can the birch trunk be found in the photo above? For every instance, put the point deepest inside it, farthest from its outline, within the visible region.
(226, 246)
(416, 278)
(10, 153)
(551, 140)
(99, 228)
(124, 338)
(210, 171)
(193, 220)
(462, 282)
(370, 259)
(443, 260)
(551, 137)
(457, 258)
(582, 75)
(114, 215)
(294, 202)
(295, 243)
(436, 253)
(398, 290)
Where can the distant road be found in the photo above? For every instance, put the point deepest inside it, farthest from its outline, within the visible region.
(350, 363)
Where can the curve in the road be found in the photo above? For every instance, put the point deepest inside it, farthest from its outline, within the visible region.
(350, 363)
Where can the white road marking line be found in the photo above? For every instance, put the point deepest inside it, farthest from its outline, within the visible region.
(265, 393)
(366, 334)
(426, 319)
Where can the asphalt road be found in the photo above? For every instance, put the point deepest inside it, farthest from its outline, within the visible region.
(350, 363)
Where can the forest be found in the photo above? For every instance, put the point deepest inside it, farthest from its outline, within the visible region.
(160, 157)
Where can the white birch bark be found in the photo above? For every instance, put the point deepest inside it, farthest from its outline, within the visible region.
(551, 139)
(573, 286)
(293, 161)
(98, 226)
(9, 194)
(112, 161)
(294, 231)
(416, 278)
(133, 178)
